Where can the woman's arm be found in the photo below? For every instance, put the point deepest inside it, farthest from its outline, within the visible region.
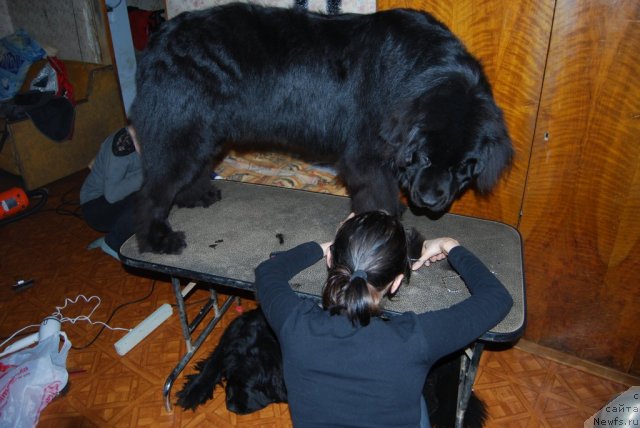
(123, 176)
(451, 329)
(272, 280)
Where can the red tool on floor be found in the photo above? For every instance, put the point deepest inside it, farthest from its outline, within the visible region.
(13, 201)
(15, 205)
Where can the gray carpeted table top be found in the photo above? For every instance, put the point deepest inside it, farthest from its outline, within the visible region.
(226, 241)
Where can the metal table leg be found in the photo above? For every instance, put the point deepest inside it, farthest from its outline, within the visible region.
(468, 368)
(187, 329)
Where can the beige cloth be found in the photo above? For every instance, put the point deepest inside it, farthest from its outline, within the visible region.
(176, 7)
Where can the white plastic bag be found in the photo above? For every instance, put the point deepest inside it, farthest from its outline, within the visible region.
(17, 52)
(30, 379)
(46, 80)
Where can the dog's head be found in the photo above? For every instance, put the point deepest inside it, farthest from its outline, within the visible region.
(448, 138)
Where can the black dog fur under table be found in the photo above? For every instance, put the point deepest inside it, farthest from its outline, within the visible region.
(227, 240)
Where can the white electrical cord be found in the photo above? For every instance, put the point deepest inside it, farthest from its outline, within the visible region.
(87, 318)
(58, 315)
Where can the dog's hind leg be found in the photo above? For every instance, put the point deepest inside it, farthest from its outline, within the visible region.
(200, 193)
(169, 172)
(153, 231)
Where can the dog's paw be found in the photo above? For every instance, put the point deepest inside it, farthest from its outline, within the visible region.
(210, 196)
(191, 397)
(162, 240)
(173, 243)
(193, 394)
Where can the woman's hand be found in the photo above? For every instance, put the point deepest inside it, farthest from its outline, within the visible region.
(434, 250)
(134, 138)
(325, 247)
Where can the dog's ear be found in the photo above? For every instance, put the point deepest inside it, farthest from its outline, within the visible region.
(444, 106)
(400, 132)
(461, 108)
(436, 109)
(495, 152)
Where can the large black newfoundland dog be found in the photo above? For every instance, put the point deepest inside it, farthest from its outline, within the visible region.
(393, 99)
(248, 363)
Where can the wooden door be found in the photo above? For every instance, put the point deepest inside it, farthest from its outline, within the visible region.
(581, 212)
(574, 190)
(511, 39)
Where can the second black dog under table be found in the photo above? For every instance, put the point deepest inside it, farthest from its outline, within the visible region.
(227, 240)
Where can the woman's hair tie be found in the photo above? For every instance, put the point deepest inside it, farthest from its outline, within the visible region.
(358, 274)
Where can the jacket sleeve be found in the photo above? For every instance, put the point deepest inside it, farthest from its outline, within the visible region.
(451, 329)
(272, 281)
(123, 177)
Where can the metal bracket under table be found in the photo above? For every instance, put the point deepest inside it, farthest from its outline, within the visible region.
(188, 329)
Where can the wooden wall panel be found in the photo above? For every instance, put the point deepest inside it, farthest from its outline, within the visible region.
(582, 199)
(511, 39)
(577, 168)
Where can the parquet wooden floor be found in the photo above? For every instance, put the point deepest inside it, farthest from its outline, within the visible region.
(106, 390)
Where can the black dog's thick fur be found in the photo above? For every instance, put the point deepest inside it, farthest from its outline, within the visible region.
(248, 362)
(393, 99)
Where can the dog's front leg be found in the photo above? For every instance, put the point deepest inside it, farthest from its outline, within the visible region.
(373, 189)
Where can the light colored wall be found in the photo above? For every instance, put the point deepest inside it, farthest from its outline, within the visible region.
(6, 27)
(175, 7)
(73, 28)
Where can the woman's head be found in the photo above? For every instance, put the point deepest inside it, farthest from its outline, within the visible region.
(368, 258)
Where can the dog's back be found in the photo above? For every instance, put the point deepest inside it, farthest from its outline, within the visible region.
(252, 72)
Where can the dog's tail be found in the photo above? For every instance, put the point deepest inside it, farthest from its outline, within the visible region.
(441, 393)
(199, 386)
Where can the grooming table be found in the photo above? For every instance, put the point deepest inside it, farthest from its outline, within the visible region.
(226, 241)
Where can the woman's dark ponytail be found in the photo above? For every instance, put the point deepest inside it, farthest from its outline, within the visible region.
(359, 301)
(369, 251)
